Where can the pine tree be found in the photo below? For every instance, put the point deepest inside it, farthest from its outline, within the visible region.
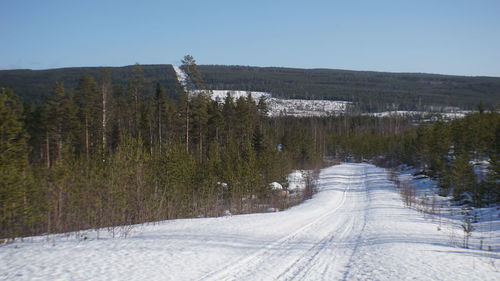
(136, 88)
(179, 167)
(494, 177)
(262, 108)
(229, 115)
(462, 177)
(160, 116)
(60, 123)
(191, 69)
(215, 121)
(105, 91)
(494, 168)
(13, 166)
(88, 104)
(199, 117)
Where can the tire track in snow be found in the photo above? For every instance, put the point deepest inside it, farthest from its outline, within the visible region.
(301, 267)
(337, 237)
(303, 264)
(358, 240)
(234, 270)
(247, 267)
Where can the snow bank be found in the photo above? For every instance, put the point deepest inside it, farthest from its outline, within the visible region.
(450, 217)
(276, 186)
(296, 181)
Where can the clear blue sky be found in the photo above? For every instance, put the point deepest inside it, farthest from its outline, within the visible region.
(438, 36)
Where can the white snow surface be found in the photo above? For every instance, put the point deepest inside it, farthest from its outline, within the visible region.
(181, 75)
(426, 115)
(296, 180)
(222, 94)
(276, 186)
(298, 107)
(355, 228)
(450, 217)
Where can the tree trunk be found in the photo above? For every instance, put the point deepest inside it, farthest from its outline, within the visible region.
(187, 125)
(47, 150)
(136, 112)
(104, 120)
(87, 137)
(159, 126)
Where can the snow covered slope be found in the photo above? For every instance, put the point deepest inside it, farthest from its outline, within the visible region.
(181, 76)
(355, 228)
(423, 116)
(277, 107)
(319, 108)
(297, 107)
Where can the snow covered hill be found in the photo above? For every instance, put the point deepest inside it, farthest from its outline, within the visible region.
(277, 107)
(355, 228)
(301, 107)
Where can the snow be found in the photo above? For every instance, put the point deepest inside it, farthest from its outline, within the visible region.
(481, 169)
(449, 217)
(299, 108)
(321, 108)
(276, 186)
(181, 76)
(288, 107)
(296, 180)
(425, 115)
(222, 94)
(355, 228)
(277, 107)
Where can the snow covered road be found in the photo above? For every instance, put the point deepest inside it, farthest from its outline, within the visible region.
(355, 228)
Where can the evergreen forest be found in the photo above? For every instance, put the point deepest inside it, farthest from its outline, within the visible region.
(98, 153)
(371, 91)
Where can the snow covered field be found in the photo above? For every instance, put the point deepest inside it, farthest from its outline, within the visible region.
(427, 116)
(355, 228)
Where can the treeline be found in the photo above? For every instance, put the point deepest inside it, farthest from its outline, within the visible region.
(372, 91)
(101, 155)
(449, 152)
(463, 154)
(35, 85)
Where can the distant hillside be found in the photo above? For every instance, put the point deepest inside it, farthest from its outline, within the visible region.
(374, 90)
(32, 85)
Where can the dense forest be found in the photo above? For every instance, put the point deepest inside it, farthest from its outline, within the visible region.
(454, 153)
(35, 85)
(372, 91)
(101, 154)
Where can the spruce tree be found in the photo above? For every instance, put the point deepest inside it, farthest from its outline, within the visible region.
(60, 123)
(87, 100)
(462, 177)
(494, 177)
(13, 166)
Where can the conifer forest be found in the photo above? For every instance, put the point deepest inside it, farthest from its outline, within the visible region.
(249, 140)
(103, 155)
